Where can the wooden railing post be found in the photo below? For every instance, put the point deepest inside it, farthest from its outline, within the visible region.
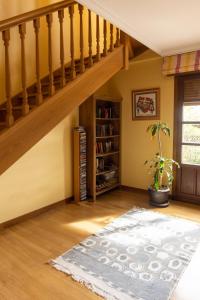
(25, 105)
(82, 65)
(98, 55)
(105, 50)
(117, 44)
(9, 111)
(111, 38)
(49, 19)
(71, 15)
(39, 97)
(90, 37)
(62, 55)
(125, 41)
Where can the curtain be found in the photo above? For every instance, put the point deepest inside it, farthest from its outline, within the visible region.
(181, 63)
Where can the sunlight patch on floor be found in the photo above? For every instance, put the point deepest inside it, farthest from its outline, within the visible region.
(91, 225)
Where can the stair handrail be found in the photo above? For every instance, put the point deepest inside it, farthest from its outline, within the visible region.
(55, 79)
(31, 15)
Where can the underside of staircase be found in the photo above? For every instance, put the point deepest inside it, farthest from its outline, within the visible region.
(62, 90)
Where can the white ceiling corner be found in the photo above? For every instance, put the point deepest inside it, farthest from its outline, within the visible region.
(166, 27)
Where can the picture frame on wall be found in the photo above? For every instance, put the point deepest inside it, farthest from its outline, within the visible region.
(146, 104)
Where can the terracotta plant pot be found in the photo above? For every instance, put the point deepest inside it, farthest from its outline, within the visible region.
(159, 198)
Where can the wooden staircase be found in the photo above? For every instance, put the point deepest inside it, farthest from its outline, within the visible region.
(28, 116)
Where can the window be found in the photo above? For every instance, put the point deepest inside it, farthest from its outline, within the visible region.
(190, 146)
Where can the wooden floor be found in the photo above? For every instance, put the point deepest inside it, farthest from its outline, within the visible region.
(26, 248)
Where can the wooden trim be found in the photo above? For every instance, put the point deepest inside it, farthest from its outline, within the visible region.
(138, 190)
(133, 189)
(108, 98)
(28, 16)
(29, 130)
(34, 213)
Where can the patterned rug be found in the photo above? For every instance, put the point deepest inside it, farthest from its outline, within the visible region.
(140, 256)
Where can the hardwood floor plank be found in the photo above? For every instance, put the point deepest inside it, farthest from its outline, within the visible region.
(26, 248)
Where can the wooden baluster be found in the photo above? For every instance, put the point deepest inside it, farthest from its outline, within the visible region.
(111, 38)
(90, 38)
(9, 111)
(117, 44)
(25, 105)
(82, 65)
(105, 50)
(62, 55)
(39, 97)
(71, 14)
(98, 55)
(49, 19)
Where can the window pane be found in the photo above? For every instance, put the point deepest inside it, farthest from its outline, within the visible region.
(191, 133)
(191, 155)
(191, 112)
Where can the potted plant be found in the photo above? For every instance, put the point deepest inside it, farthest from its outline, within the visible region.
(161, 168)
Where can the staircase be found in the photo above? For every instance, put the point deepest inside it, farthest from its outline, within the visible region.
(30, 114)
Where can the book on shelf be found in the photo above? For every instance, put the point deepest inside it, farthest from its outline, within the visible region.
(104, 147)
(106, 180)
(105, 130)
(103, 165)
(104, 112)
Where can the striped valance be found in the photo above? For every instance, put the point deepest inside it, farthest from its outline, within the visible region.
(181, 63)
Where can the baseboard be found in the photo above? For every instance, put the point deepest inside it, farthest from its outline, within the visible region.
(133, 189)
(33, 213)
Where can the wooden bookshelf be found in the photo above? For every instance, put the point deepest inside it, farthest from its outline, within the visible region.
(101, 118)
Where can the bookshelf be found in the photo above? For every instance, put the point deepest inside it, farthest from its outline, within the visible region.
(101, 118)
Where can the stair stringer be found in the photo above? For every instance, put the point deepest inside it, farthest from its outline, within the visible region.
(27, 131)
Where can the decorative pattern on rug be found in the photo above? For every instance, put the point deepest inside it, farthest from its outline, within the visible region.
(140, 256)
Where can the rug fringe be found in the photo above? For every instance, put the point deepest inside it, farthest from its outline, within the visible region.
(89, 281)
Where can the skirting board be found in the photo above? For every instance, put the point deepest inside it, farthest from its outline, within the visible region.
(133, 189)
(138, 190)
(33, 213)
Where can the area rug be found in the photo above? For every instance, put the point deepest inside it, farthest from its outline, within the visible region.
(139, 256)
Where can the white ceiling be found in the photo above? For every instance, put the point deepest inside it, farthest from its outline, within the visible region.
(167, 27)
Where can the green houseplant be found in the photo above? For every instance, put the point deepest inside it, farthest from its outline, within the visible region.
(161, 168)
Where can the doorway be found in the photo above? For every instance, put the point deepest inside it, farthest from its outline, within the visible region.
(187, 138)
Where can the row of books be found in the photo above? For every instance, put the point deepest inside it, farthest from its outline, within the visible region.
(103, 165)
(103, 183)
(104, 147)
(104, 112)
(105, 130)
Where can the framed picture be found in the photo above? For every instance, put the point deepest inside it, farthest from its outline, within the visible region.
(146, 104)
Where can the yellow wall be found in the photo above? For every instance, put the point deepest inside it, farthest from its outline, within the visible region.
(42, 176)
(136, 143)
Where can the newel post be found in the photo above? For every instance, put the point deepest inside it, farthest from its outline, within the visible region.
(125, 41)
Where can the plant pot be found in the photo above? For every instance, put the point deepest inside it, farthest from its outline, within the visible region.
(159, 198)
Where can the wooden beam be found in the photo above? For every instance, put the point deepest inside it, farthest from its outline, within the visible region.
(17, 140)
